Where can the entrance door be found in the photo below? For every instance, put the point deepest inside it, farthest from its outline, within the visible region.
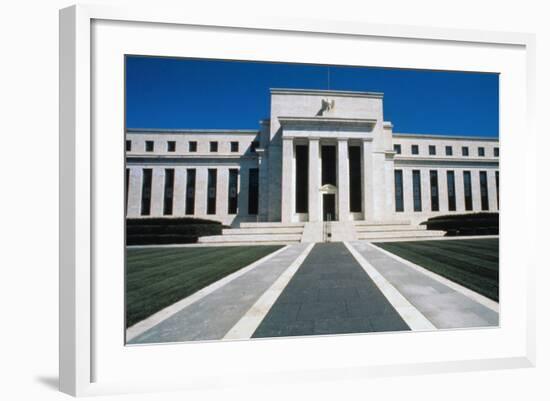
(329, 207)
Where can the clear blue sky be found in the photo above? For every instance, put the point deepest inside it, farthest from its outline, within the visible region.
(188, 93)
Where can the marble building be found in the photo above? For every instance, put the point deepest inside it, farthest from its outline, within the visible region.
(322, 155)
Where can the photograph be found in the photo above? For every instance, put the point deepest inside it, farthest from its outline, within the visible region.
(278, 199)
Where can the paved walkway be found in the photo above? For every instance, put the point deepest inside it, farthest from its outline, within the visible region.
(329, 290)
(213, 316)
(330, 294)
(442, 305)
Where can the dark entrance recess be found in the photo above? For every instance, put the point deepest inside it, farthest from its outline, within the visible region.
(328, 165)
(232, 198)
(355, 179)
(253, 187)
(212, 184)
(329, 207)
(302, 178)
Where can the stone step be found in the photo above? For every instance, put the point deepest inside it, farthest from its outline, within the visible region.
(272, 224)
(400, 234)
(386, 228)
(283, 238)
(246, 243)
(263, 230)
(374, 223)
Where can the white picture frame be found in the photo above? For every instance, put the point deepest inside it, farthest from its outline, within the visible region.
(91, 362)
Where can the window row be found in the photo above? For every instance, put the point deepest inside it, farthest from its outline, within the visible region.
(432, 150)
(190, 191)
(451, 193)
(192, 146)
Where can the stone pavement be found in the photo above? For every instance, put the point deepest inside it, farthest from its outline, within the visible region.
(213, 316)
(330, 294)
(439, 303)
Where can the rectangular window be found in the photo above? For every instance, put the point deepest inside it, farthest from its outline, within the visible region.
(434, 190)
(484, 191)
(211, 195)
(481, 151)
(465, 151)
(448, 150)
(301, 188)
(417, 191)
(355, 179)
(234, 146)
(467, 190)
(254, 145)
(190, 191)
(146, 192)
(128, 146)
(168, 191)
(451, 195)
(397, 149)
(232, 196)
(149, 146)
(213, 146)
(171, 146)
(253, 188)
(414, 149)
(431, 150)
(496, 152)
(192, 146)
(398, 179)
(498, 195)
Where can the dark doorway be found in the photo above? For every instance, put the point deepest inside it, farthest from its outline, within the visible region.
(355, 198)
(328, 165)
(329, 207)
(302, 172)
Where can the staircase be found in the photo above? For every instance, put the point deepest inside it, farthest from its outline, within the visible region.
(265, 233)
(393, 230)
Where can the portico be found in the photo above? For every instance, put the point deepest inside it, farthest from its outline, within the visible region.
(325, 169)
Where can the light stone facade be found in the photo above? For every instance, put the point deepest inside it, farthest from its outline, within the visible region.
(299, 166)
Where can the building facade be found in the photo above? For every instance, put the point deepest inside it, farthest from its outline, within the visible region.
(322, 155)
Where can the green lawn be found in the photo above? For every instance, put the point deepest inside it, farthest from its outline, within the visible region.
(158, 277)
(472, 263)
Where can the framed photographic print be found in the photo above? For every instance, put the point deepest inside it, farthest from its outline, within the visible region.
(292, 199)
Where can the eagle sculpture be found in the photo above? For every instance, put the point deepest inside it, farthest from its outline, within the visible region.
(326, 105)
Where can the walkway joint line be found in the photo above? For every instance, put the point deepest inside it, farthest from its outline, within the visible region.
(148, 323)
(412, 316)
(248, 324)
(474, 296)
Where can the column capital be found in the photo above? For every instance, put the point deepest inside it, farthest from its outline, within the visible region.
(344, 139)
(314, 138)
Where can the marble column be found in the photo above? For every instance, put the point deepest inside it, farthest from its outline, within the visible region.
(476, 190)
(343, 180)
(157, 192)
(287, 181)
(134, 192)
(425, 190)
(201, 184)
(314, 181)
(492, 190)
(367, 172)
(264, 185)
(222, 190)
(180, 180)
